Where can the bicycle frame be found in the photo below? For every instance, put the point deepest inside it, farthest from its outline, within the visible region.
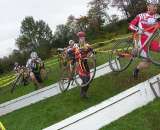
(151, 36)
(72, 69)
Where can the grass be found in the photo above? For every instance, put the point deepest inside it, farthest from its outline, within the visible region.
(5, 80)
(145, 118)
(5, 94)
(53, 77)
(57, 108)
(11, 77)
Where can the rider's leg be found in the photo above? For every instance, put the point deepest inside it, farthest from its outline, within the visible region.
(84, 89)
(145, 63)
(25, 80)
(34, 80)
(43, 74)
(85, 78)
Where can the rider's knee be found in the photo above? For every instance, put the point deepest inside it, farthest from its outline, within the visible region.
(32, 75)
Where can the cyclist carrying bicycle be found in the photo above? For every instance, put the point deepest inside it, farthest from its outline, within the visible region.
(79, 52)
(83, 68)
(34, 64)
(139, 24)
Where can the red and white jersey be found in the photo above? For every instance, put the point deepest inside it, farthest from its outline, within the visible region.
(143, 21)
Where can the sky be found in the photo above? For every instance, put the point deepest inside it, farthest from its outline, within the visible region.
(53, 12)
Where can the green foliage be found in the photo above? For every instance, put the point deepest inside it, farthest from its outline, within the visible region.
(62, 35)
(33, 35)
(96, 16)
(56, 108)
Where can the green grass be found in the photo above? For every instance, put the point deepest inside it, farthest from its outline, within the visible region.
(53, 77)
(54, 109)
(4, 79)
(57, 108)
(145, 118)
(5, 94)
(10, 77)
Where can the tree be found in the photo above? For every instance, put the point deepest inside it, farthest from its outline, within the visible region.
(97, 14)
(62, 35)
(27, 34)
(130, 7)
(72, 24)
(114, 19)
(33, 34)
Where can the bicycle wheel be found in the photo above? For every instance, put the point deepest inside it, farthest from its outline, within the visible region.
(120, 56)
(15, 83)
(153, 51)
(65, 74)
(87, 65)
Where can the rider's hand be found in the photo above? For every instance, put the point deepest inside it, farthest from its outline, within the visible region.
(135, 52)
(140, 31)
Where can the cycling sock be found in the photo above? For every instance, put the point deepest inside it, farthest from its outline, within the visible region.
(135, 72)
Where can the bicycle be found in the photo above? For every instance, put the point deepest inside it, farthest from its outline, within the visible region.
(69, 69)
(124, 52)
(22, 78)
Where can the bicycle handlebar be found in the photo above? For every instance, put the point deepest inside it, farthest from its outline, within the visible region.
(60, 49)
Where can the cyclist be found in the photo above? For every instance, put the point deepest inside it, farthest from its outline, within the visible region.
(34, 64)
(80, 51)
(16, 67)
(71, 50)
(84, 70)
(139, 24)
(18, 70)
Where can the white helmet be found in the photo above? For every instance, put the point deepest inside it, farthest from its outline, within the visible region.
(34, 55)
(71, 42)
(154, 2)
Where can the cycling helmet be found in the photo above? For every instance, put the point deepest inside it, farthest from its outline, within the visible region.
(34, 55)
(154, 2)
(71, 42)
(81, 34)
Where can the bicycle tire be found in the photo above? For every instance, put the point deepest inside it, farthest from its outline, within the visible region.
(154, 54)
(121, 49)
(65, 76)
(13, 86)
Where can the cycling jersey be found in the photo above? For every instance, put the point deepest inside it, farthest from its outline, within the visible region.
(34, 65)
(144, 21)
(79, 55)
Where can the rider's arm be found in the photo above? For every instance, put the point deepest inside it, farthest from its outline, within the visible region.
(28, 63)
(39, 60)
(133, 24)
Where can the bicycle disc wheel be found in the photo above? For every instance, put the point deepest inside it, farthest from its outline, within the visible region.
(15, 83)
(65, 74)
(88, 65)
(153, 51)
(120, 56)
